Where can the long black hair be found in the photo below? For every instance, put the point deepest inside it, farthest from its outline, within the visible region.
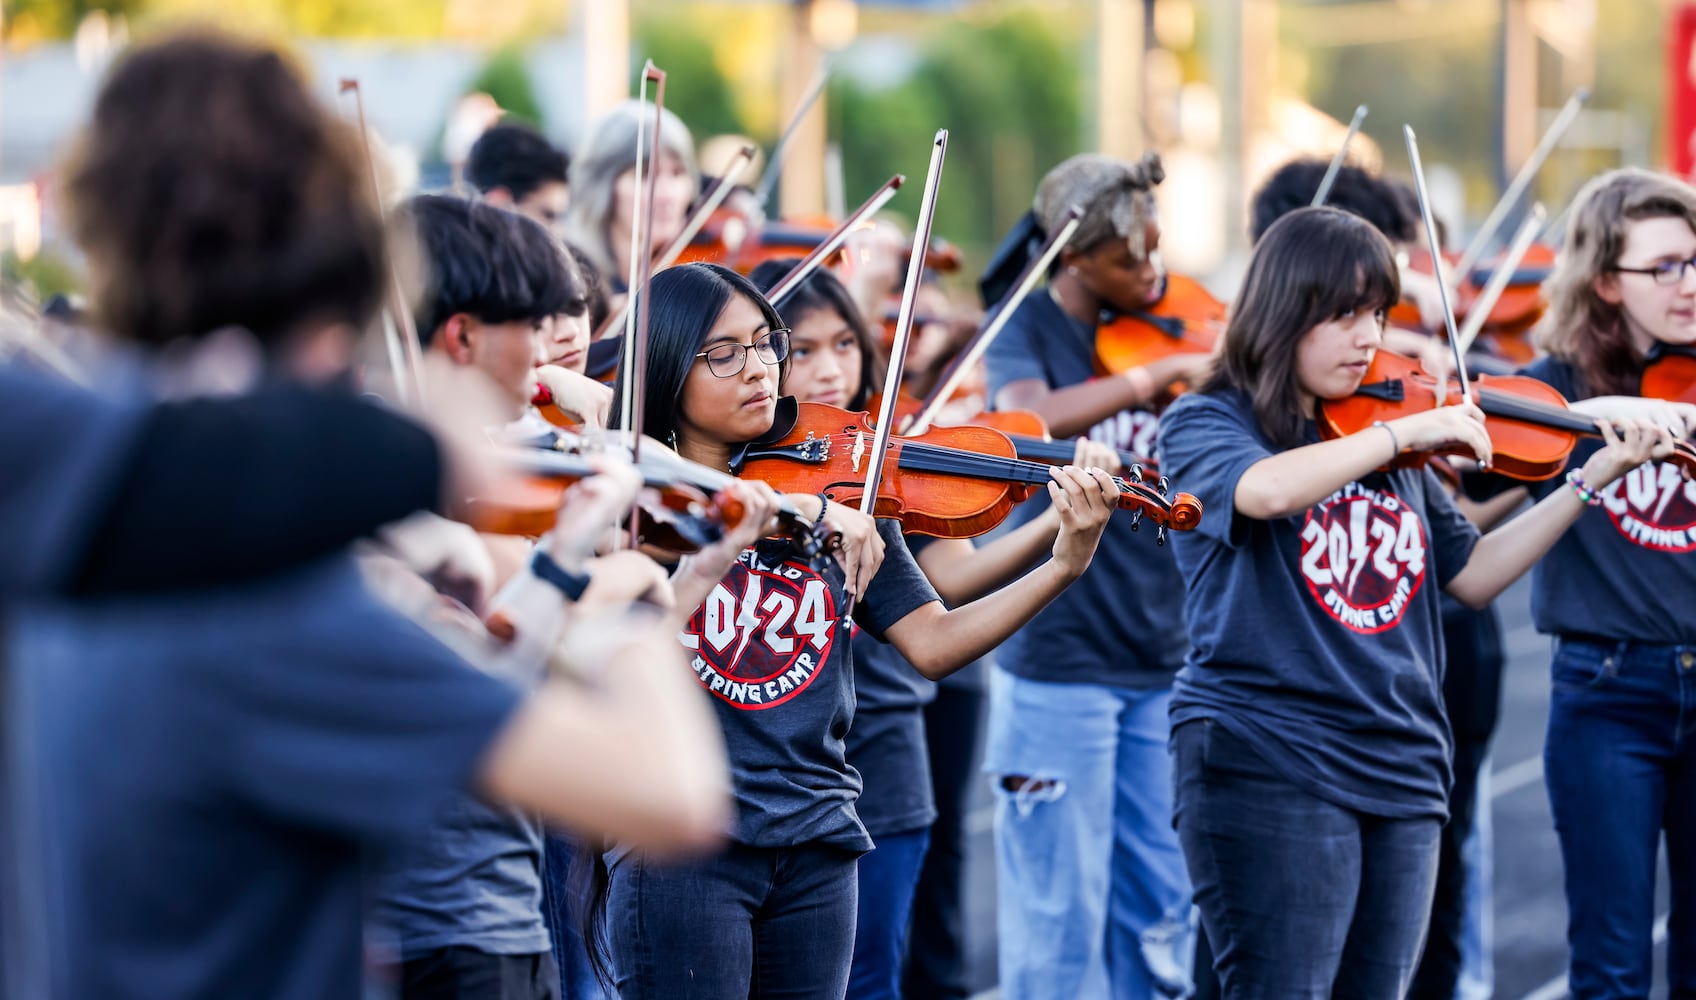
(823, 290)
(1313, 265)
(685, 303)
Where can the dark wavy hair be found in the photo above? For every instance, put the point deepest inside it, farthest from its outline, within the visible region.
(211, 189)
(487, 262)
(686, 301)
(1294, 184)
(1313, 265)
(823, 290)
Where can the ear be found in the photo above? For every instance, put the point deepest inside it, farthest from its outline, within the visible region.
(499, 197)
(457, 338)
(1606, 287)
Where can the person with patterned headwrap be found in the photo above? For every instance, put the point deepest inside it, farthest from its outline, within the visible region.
(1093, 896)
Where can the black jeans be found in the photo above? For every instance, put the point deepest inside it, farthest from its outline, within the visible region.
(469, 974)
(936, 946)
(763, 923)
(1301, 898)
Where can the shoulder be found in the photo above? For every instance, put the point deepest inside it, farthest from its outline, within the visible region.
(1226, 404)
(1557, 373)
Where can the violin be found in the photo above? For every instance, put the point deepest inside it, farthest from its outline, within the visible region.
(1027, 430)
(1505, 333)
(742, 242)
(1532, 430)
(1186, 320)
(683, 506)
(1671, 373)
(950, 482)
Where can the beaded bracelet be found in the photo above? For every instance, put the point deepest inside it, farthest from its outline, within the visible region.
(1575, 479)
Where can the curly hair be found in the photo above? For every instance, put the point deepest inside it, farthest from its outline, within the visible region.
(1581, 328)
(1117, 198)
(211, 189)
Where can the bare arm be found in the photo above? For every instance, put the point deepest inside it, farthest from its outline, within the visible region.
(1289, 482)
(638, 760)
(961, 572)
(937, 641)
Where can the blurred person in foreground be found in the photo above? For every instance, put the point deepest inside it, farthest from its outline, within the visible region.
(204, 778)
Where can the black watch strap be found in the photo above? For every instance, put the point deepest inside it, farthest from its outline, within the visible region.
(572, 585)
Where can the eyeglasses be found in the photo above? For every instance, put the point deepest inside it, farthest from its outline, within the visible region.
(728, 360)
(1667, 272)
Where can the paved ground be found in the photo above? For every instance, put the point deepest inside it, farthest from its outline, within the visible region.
(1530, 914)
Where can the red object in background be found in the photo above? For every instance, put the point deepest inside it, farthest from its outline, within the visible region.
(1681, 89)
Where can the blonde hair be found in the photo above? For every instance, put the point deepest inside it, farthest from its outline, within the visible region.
(607, 152)
(1580, 327)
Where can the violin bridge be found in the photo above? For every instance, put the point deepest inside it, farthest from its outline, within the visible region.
(859, 450)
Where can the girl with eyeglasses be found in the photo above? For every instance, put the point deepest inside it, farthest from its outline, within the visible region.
(1616, 592)
(1310, 749)
(772, 914)
(835, 360)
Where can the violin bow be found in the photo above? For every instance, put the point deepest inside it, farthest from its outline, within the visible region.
(636, 324)
(1479, 312)
(1342, 154)
(1035, 270)
(1551, 138)
(834, 242)
(768, 180)
(715, 197)
(400, 330)
(1431, 241)
(904, 325)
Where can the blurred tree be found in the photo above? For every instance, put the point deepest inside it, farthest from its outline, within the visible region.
(698, 91)
(504, 78)
(35, 20)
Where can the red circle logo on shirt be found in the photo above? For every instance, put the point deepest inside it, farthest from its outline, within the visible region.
(1363, 555)
(1655, 507)
(762, 635)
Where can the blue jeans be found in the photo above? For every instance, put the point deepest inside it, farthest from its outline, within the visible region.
(1092, 896)
(1302, 899)
(1620, 762)
(888, 876)
(755, 922)
(576, 977)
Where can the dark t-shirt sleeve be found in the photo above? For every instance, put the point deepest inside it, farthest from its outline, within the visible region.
(353, 718)
(1205, 446)
(898, 589)
(1453, 537)
(1014, 356)
(216, 490)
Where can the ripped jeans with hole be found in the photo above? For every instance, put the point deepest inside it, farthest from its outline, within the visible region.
(1093, 899)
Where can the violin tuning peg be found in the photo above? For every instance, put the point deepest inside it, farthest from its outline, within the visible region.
(1163, 486)
(1136, 472)
(1160, 535)
(1136, 519)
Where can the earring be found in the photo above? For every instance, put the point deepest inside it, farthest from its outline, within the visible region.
(672, 439)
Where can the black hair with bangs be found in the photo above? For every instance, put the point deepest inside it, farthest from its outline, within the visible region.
(1311, 266)
(686, 302)
(486, 262)
(823, 290)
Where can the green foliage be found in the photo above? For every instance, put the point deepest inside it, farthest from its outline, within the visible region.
(37, 19)
(43, 276)
(703, 97)
(504, 78)
(1007, 89)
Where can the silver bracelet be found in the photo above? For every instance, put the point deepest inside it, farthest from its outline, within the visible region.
(1395, 442)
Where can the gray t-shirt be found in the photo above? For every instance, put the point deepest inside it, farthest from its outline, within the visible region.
(772, 647)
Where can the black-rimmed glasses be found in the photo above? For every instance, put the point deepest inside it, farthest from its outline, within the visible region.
(1667, 272)
(728, 360)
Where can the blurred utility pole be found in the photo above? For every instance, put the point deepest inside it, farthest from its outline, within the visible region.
(604, 27)
(803, 158)
(1516, 105)
(1244, 64)
(1120, 105)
